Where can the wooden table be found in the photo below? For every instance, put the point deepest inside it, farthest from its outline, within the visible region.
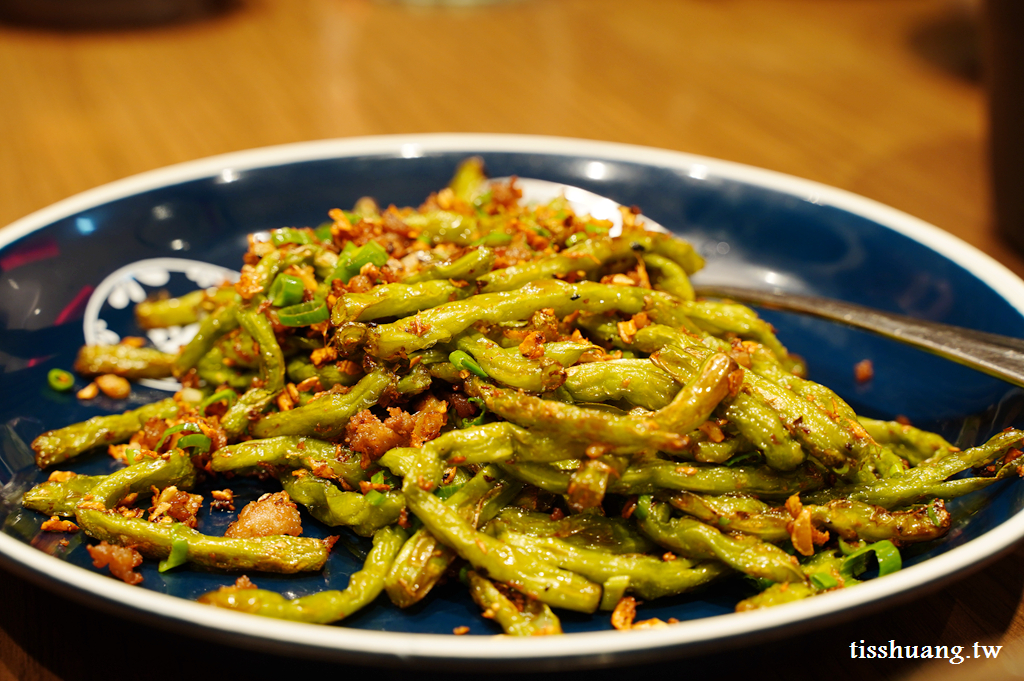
(879, 97)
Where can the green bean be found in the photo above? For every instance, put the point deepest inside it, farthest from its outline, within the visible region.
(566, 353)
(301, 368)
(815, 430)
(466, 268)
(504, 563)
(326, 459)
(585, 530)
(708, 451)
(272, 369)
(720, 318)
(767, 364)
(591, 254)
(442, 323)
(469, 179)
(534, 578)
(423, 560)
(589, 482)
(694, 403)
(211, 368)
(623, 433)
(748, 411)
(176, 469)
(490, 443)
(675, 422)
(659, 337)
(238, 349)
(857, 520)
(327, 416)
(257, 279)
(256, 400)
(735, 513)
(636, 381)
(443, 226)
(211, 329)
(535, 618)
(827, 440)
(56, 446)
(511, 368)
(123, 360)
(671, 277)
(649, 576)
(826, 563)
(649, 475)
(333, 507)
(951, 489)
(446, 371)
(249, 406)
(418, 380)
(279, 553)
(694, 539)
(850, 519)
(162, 313)
(872, 459)
(59, 497)
(325, 606)
(646, 476)
(926, 481)
(394, 300)
(760, 424)
(544, 476)
(912, 444)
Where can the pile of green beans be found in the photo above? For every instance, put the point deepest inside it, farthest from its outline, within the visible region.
(598, 434)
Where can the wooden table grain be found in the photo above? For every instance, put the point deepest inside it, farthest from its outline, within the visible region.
(879, 97)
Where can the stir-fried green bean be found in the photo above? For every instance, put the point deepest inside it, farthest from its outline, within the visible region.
(160, 313)
(423, 559)
(123, 360)
(533, 619)
(325, 606)
(277, 553)
(504, 392)
(327, 416)
(57, 446)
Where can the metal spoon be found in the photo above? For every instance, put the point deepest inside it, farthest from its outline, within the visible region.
(999, 356)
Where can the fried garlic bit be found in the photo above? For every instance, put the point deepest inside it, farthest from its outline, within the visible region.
(113, 386)
(625, 612)
(55, 524)
(174, 504)
(801, 529)
(223, 500)
(88, 392)
(864, 371)
(121, 560)
(271, 514)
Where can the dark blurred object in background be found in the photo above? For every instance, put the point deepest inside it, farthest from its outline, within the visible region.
(950, 40)
(108, 14)
(1003, 58)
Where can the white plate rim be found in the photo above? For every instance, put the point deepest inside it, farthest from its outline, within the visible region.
(392, 647)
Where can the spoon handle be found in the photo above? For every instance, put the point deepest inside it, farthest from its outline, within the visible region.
(999, 356)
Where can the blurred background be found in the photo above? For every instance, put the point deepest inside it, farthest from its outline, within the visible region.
(879, 97)
(885, 98)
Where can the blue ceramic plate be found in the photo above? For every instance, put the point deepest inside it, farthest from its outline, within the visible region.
(70, 273)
